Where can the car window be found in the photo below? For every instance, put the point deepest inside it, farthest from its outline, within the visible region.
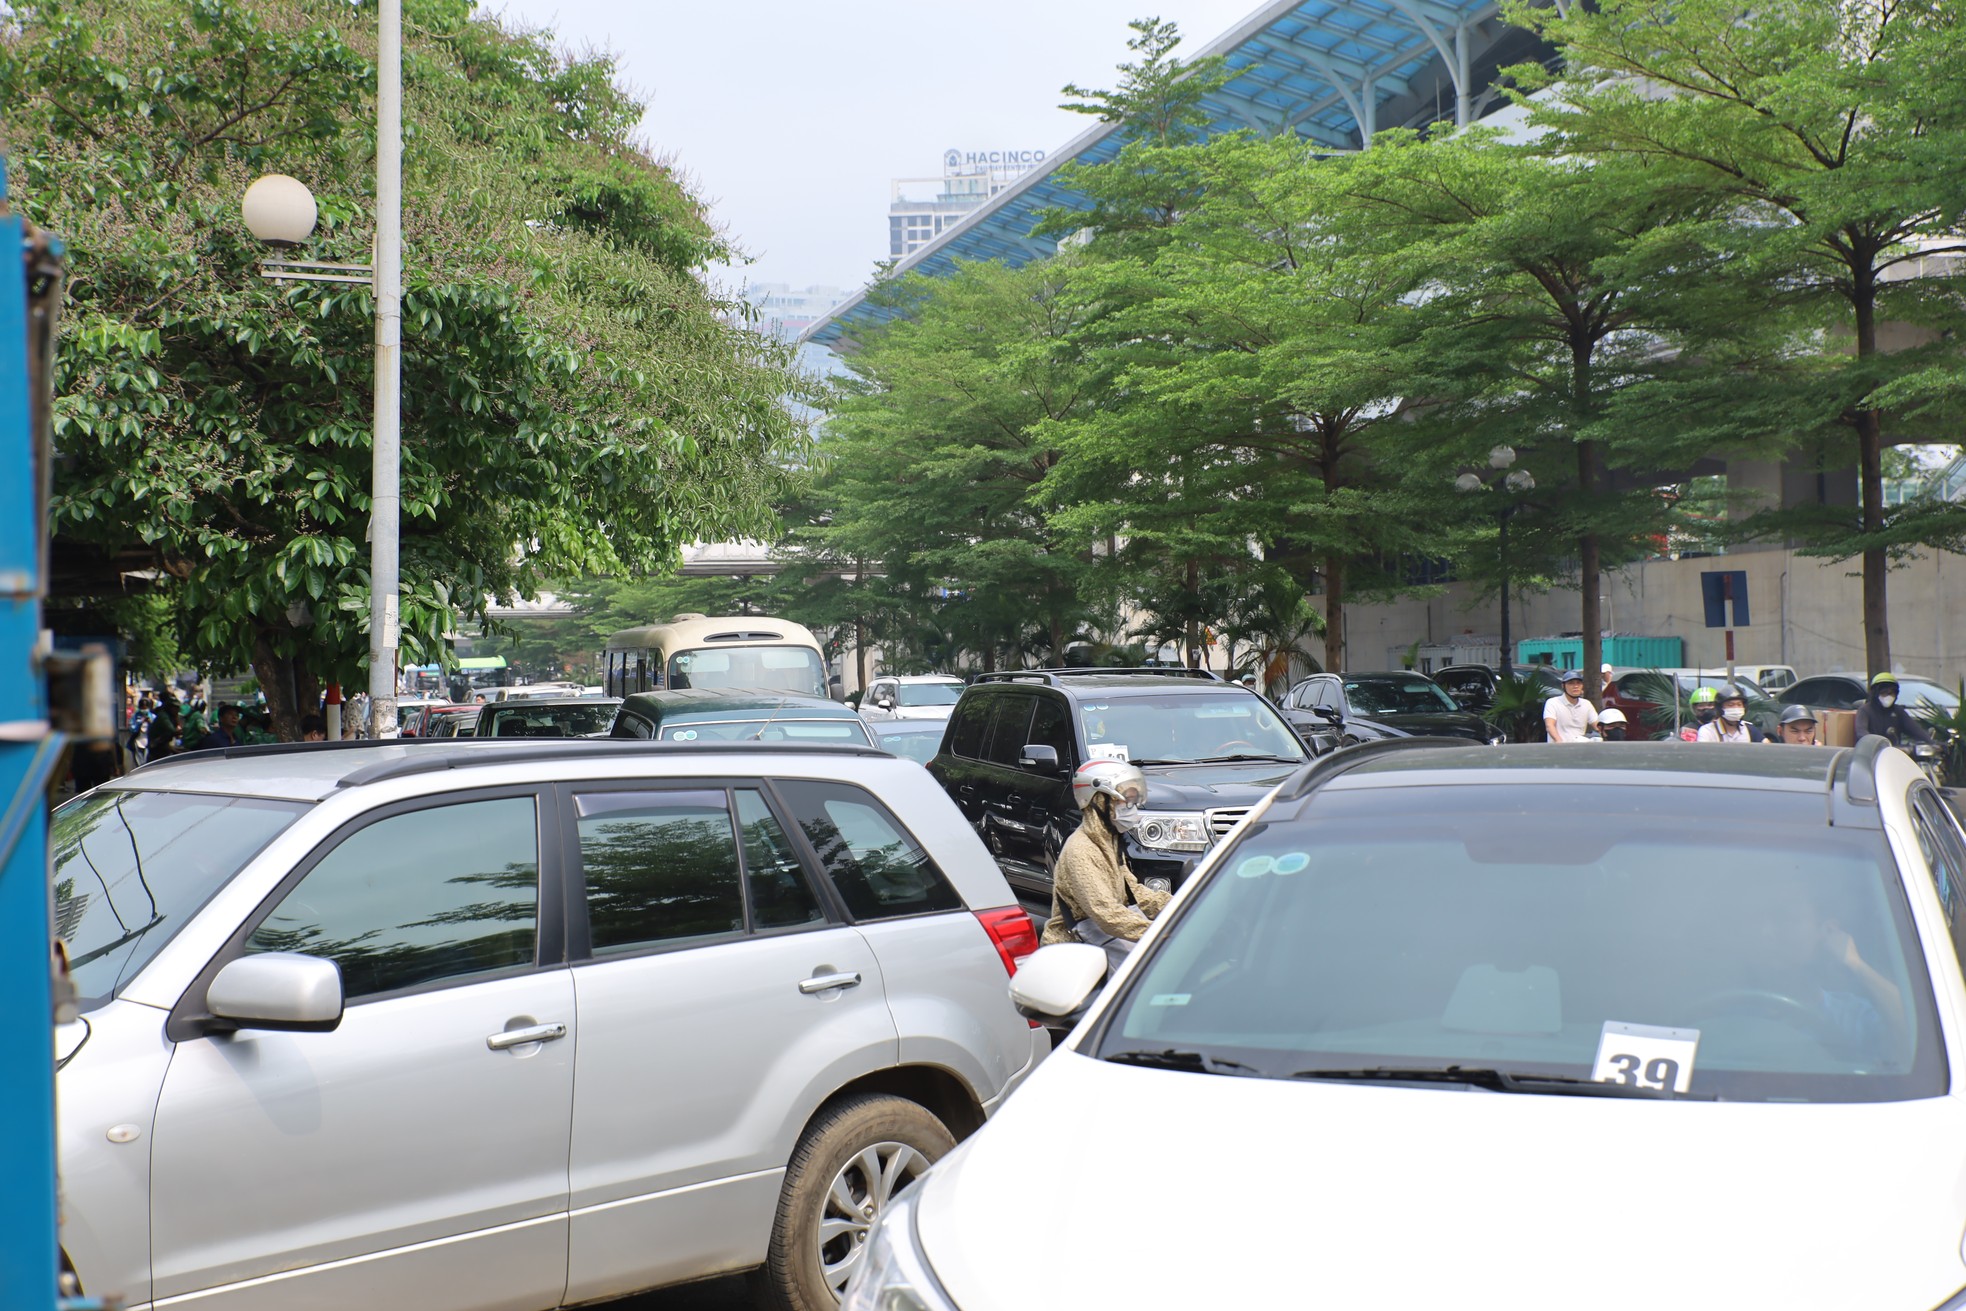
(846, 728)
(1493, 929)
(1010, 729)
(1835, 693)
(880, 871)
(660, 868)
(967, 727)
(908, 739)
(517, 719)
(1051, 726)
(434, 895)
(131, 867)
(1186, 726)
(1324, 693)
(929, 694)
(630, 724)
(774, 880)
(1397, 696)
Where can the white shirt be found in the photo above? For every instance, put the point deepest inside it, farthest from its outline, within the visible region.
(1719, 730)
(1572, 720)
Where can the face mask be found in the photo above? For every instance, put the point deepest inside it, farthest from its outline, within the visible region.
(1614, 734)
(1887, 701)
(1734, 714)
(1126, 817)
(1703, 713)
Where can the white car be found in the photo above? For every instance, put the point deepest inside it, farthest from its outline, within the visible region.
(911, 696)
(1519, 1027)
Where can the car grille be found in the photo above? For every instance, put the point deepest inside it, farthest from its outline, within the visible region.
(1221, 821)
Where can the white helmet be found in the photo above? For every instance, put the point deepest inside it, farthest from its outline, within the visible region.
(1611, 715)
(1124, 783)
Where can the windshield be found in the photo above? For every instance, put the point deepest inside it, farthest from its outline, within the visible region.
(1397, 696)
(928, 694)
(765, 728)
(517, 719)
(1472, 926)
(1931, 694)
(913, 744)
(132, 867)
(776, 668)
(1174, 727)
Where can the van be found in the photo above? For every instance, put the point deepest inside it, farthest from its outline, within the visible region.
(693, 650)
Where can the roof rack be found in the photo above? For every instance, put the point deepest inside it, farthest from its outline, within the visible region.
(254, 750)
(1053, 677)
(471, 751)
(1322, 770)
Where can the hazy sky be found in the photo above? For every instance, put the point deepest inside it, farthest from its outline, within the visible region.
(792, 116)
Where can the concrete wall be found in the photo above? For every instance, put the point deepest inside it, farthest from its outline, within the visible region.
(1806, 612)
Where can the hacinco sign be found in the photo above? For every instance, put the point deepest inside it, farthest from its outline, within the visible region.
(970, 161)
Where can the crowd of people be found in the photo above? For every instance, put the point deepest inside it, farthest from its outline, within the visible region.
(1721, 715)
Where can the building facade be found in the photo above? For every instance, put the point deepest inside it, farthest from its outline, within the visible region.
(922, 209)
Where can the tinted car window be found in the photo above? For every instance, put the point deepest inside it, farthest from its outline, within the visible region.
(444, 893)
(1010, 727)
(1832, 692)
(776, 882)
(968, 727)
(630, 724)
(1485, 928)
(1396, 696)
(1051, 726)
(661, 867)
(131, 867)
(880, 871)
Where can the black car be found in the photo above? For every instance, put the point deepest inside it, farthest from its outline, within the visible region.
(1210, 751)
(1342, 710)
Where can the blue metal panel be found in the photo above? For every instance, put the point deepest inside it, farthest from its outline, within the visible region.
(28, 1244)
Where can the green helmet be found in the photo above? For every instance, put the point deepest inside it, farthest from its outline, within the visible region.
(1885, 679)
(1703, 696)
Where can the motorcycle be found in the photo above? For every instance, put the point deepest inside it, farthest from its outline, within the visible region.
(1927, 757)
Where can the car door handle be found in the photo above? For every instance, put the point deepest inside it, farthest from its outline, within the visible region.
(827, 982)
(498, 1042)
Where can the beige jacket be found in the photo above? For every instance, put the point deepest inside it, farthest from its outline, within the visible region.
(1091, 878)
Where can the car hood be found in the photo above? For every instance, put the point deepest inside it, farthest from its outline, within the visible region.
(1169, 1189)
(1205, 787)
(1444, 723)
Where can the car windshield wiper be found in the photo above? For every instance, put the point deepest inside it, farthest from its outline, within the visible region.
(1174, 1058)
(1559, 1085)
(1247, 755)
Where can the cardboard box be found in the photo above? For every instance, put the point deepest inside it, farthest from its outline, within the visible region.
(1836, 728)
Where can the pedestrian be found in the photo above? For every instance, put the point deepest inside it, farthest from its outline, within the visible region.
(1095, 897)
(313, 728)
(1611, 724)
(1731, 725)
(196, 727)
(1880, 714)
(1797, 727)
(164, 726)
(225, 733)
(139, 739)
(1604, 686)
(1567, 717)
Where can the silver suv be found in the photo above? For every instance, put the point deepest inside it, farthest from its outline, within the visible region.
(516, 1025)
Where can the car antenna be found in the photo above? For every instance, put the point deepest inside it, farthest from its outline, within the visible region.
(770, 719)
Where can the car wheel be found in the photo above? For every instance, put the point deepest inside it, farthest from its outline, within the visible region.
(851, 1162)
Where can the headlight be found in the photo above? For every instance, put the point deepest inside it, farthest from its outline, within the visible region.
(1158, 882)
(893, 1273)
(1495, 739)
(1172, 831)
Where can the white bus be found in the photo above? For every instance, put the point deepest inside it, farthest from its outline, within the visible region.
(691, 650)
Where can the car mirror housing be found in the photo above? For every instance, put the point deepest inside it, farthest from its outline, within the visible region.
(1040, 759)
(278, 990)
(1058, 981)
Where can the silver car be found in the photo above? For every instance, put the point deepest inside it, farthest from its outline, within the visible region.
(517, 1025)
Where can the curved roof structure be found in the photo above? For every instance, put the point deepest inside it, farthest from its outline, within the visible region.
(1331, 71)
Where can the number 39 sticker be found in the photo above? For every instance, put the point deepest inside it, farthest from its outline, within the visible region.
(1646, 1056)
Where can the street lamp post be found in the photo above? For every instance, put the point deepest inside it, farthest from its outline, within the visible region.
(280, 210)
(1513, 481)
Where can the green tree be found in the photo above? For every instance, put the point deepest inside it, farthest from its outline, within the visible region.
(1834, 135)
(575, 400)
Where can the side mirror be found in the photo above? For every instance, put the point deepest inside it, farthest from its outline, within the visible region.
(1039, 759)
(278, 990)
(1330, 714)
(884, 702)
(1058, 982)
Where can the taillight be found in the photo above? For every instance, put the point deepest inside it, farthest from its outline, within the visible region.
(1011, 933)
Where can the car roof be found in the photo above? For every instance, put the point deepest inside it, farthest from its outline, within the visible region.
(1385, 673)
(731, 702)
(519, 704)
(310, 771)
(1108, 686)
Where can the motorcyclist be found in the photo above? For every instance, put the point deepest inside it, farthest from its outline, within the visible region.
(1732, 725)
(1094, 895)
(1797, 727)
(1612, 725)
(1881, 714)
(1705, 704)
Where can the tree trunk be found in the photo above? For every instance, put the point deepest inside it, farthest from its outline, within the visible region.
(276, 675)
(1191, 630)
(1057, 657)
(1334, 613)
(1590, 556)
(859, 654)
(1870, 466)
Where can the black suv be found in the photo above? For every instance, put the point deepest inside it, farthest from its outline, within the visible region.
(1210, 751)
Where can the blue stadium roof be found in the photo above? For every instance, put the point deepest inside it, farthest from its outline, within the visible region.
(1331, 71)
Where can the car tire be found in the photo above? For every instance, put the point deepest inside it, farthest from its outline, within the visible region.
(873, 1145)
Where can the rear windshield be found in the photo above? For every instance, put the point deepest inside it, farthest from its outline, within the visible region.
(132, 867)
(517, 719)
(764, 729)
(1472, 926)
